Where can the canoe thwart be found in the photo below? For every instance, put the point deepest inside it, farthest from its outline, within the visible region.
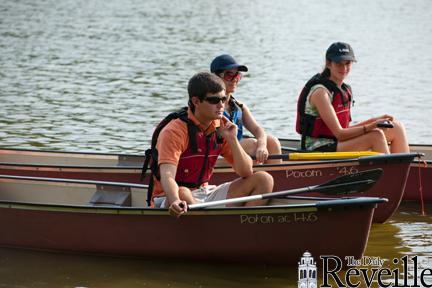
(111, 195)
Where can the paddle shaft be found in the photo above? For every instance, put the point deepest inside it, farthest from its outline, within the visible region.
(316, 188)
(320, 155)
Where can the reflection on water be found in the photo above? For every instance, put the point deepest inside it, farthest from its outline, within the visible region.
(42, 269)
(406, 233)
(412, 240)
(416, 230)
(403, 235)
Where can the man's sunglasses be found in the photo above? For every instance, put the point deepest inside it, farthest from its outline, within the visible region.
(231, 76)
(215, 99)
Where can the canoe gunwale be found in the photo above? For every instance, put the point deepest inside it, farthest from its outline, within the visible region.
(389, 158)
(60, 152)
(74, 181)
(327, 204)
(409, 157)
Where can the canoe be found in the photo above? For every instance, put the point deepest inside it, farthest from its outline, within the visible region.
(419, 182)
(72, 216)
(288, 175)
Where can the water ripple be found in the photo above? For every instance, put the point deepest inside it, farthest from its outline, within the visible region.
(81, 75)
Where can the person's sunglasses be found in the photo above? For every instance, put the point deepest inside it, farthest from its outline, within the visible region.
(230, 76)
(215, 99)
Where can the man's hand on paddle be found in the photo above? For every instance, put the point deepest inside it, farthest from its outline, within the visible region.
(177, 208)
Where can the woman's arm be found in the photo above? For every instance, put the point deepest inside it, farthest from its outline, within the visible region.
(321, 100)
(252, 125)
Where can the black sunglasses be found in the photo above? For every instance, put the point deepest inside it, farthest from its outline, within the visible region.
(215, 99)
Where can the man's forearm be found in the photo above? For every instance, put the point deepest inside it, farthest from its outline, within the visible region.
(171, 189)
(169, 185)
(242, 162)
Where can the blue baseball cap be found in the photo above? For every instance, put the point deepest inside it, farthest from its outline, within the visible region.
(225, 62)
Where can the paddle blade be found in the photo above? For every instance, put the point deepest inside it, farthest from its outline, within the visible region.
(352, 183)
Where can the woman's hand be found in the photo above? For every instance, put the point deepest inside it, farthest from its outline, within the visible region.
(261, 154)
(384, 117)
(372, 125)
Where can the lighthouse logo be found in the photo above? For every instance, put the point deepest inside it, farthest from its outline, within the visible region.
(307, 271)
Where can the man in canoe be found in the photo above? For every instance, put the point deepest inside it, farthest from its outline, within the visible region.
(324, 113)
(226, 67)
(188, 149)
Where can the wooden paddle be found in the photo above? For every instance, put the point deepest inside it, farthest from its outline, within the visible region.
(343, 185)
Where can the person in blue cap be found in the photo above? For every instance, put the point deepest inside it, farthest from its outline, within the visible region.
(324, 112)
(227, 68)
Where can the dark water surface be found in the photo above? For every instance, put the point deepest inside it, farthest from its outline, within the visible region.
(98, 75)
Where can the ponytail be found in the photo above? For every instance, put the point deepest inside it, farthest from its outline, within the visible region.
(325, 73)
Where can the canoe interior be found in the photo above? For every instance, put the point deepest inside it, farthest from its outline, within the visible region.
(414, 148)
(87, 194)
(35, 157)
(127, 168)
(91, 159)
(285, 176)
(46, 159)
(74, 194)
(30, 190)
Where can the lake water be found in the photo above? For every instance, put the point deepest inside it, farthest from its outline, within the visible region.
(98, 75)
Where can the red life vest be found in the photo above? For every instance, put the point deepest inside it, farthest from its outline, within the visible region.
(314, 126)
(196, 167)
(196, 163)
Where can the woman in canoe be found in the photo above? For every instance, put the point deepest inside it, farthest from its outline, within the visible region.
(323, 113)
(262, 145)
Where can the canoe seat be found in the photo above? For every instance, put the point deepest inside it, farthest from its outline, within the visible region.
(292, 149)
(111, 196)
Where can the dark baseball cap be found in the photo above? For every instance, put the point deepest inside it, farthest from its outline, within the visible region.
(340, 51)
(225, 62)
